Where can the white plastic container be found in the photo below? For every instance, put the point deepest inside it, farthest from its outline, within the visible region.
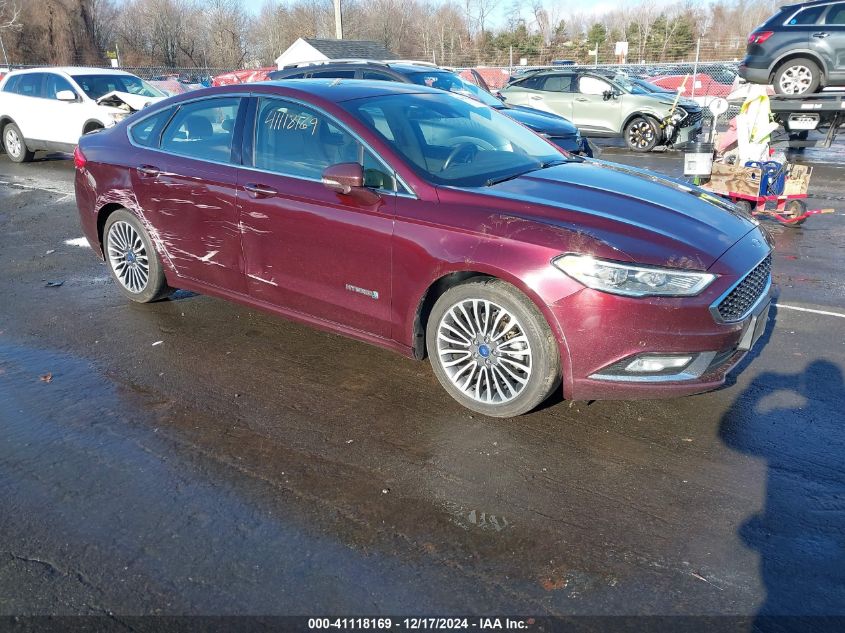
(698, 159)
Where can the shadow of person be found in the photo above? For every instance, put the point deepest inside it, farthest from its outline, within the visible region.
(794, 421)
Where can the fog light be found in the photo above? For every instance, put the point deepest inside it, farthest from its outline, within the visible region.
(657, 364)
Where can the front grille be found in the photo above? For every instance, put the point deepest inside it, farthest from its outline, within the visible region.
(693, 117)
(742, 298)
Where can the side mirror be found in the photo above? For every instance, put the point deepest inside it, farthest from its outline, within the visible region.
(66, 95)
(343, 177)
(608, 95)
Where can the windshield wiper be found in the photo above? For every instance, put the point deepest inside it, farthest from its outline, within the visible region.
(553, 163)
(496, 181)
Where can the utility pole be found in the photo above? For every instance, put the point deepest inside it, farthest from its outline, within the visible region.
(338, 21)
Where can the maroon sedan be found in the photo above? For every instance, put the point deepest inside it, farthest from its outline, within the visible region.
(430, 224)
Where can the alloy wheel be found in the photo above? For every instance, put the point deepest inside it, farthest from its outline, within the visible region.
(13, 142)
(128, 257)
(796, 80)
(484, 351)
(641, 135)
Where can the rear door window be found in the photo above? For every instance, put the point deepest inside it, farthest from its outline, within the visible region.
(203, 129)
(334, 74)
(374, 74)
(557, 83)
(531, 83)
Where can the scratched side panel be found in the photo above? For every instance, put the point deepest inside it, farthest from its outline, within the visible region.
(191, 206)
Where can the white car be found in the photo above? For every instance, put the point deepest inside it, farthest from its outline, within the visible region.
(50, 108)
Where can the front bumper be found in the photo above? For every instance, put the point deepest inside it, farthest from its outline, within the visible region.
(604, 332)
(688, 134)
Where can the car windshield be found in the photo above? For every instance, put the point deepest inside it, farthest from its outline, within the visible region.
(454, 83)
(453, 140)
(95, 86)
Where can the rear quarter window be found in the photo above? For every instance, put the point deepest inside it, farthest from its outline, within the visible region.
(12, 84)
(806, 16)
(147, 132)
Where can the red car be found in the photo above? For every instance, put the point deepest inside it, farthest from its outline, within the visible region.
(428, 223)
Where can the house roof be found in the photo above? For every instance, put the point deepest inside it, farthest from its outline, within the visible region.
(350, 49)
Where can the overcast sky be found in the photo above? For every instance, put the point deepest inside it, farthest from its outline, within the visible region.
(564, 6)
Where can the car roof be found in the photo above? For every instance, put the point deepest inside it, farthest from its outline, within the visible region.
(398, 66)
(73, 70)
(338, 90)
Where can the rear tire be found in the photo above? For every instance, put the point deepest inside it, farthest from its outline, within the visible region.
(642, 134)
(797, 77)
(492, 349)
(132, 259)
(15, 144)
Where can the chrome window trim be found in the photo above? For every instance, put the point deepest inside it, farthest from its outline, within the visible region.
(178, 106)
(804, 8)
(714, 307)
(408, 191)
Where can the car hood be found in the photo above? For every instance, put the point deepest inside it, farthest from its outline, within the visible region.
(649, 218)
(668, 100)
(118, 99)
(540, 121)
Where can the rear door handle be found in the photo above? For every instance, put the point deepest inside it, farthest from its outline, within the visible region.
(260, 191)
(821, 35)
(149, 170)
(535, 97)
(582, 99)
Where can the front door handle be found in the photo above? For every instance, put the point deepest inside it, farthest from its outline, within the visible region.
(260, 191)
(582, 99)
(149, 170)
(821, 35)
(536, 97)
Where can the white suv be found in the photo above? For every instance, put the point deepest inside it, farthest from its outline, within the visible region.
(50, 108)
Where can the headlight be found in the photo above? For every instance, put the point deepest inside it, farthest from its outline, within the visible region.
(679, 115)
(117, 117)
(633, 281)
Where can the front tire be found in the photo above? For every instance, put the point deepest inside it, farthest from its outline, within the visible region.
(15, 144)
(797, 77)
(132, 260)
(492, 349)
(642, 134)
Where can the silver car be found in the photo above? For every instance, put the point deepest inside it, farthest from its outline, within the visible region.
(609, 106)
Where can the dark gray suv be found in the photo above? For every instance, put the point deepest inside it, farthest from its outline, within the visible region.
(799, 50)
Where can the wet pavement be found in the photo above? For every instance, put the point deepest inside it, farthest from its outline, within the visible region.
(197, 457)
